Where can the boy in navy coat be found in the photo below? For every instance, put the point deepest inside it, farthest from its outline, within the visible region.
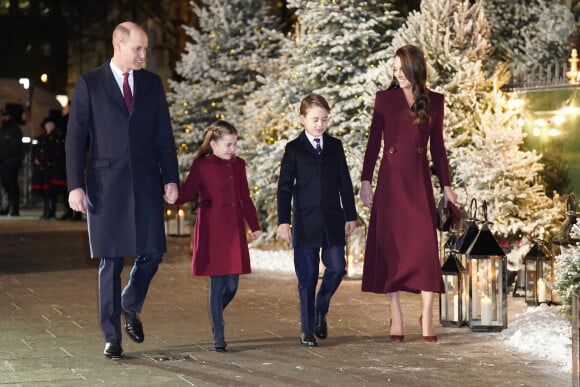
(315, 186)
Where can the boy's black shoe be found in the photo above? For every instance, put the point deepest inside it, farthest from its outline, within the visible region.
(113, 350)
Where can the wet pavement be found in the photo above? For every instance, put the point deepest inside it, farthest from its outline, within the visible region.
(50, 334)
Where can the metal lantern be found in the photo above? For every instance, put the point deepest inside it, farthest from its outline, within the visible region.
(487, 281)
(575, 339)
(539, 272)
(452, 302)
(463, 243)
(564, 237)
(175, 223)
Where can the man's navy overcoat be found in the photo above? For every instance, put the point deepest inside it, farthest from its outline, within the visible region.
(131, 155)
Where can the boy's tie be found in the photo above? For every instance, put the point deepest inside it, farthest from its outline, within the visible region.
(127, 91)
(318, 149)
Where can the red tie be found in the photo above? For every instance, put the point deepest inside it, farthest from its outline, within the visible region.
(127, 91)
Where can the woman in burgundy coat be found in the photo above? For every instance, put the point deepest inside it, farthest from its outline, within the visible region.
(220, 251)
(401, 250)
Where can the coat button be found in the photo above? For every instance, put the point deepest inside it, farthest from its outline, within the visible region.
(392, 150)
(420, 150)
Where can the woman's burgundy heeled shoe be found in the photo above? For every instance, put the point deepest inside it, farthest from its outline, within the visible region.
(427, 339)
(395, 338)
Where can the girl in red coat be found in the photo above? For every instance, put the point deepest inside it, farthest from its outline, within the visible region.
(220, 251)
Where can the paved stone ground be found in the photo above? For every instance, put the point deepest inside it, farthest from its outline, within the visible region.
(50, 334)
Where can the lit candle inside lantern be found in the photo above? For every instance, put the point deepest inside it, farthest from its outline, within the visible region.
(485, 311)
(167, 217)
(476, 299)
(456, 307)
(542, 294)
(180, 221)
(349, 264)
(465, 305)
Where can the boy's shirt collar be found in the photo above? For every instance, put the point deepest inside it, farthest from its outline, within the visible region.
(311, 139)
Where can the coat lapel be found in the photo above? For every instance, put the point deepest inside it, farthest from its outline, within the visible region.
(304, 141)
(111, 86)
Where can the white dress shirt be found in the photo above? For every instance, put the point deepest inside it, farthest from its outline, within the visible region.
(311, 139)
(118, 74)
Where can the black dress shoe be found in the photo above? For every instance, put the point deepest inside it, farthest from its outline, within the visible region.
(133, 326)
(308, 340)
(113, 350)
(220, 345)
(320, 327)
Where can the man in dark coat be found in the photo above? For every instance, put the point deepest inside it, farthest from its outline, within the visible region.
(11, 152)
(131, 167)
(314, 178)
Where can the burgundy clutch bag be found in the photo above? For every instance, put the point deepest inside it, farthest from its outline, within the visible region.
(448, 216)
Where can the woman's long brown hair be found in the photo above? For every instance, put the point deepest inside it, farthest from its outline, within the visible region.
(415, 69)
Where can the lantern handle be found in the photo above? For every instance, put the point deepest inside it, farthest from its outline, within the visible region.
(484, 210)
(473, 208)
(571, 204)
(537, 234)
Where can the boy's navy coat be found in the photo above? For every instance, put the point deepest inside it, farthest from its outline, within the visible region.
(320, 190)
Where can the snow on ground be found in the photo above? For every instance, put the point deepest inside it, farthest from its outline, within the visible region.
(280, 261)
(544, 333)
(540, 331)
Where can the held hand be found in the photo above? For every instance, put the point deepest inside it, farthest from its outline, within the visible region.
(284, 232)
(349, 227)
(77, 200)
(256, 234)
(449, 195)
(366, 193)
(171, 193)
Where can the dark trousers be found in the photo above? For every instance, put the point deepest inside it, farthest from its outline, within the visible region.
(9, 180)
(306, 263)
(49, 205)
(222, 290)
(111, 299)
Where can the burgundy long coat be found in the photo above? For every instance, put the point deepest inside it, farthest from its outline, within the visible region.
(401, 250)
(224, 203)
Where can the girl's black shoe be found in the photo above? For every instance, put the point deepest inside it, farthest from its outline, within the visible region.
(220, 345)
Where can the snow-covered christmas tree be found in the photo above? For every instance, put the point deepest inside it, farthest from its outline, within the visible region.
(529, 34)
(333, 46)
(483, 138)
(567, 274)
(233, 45)
(238, 68)
(494, 167)
(455, 38)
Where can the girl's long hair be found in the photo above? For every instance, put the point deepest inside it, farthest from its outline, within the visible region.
(415, 69)
(213, 133)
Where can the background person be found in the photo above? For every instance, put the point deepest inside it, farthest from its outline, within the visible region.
(48, 167)
(11, 153)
